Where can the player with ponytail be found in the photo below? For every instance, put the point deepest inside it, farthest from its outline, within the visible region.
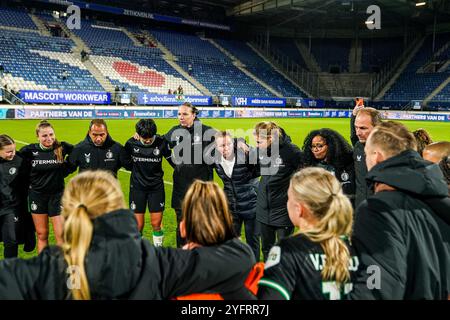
(317, 262)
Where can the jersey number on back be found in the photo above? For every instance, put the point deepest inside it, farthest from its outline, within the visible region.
(331, 289)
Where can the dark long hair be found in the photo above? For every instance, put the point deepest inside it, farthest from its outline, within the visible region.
(339, 154)
(5, 140)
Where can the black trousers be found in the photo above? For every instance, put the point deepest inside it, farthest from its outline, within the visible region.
(180, 241)
(271, 235)
(8, 227)
(252, 234)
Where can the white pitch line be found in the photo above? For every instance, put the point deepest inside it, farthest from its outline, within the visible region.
(122, 170)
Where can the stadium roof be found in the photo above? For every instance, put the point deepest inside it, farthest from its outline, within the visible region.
(341, 13)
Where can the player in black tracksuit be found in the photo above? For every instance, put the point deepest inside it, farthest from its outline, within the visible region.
(188, 142)
(276, 170)
(98, 151)
(310, 264)
(13, 187)
(47, 168)
(146, 181)
(297, 273)
(123, 265)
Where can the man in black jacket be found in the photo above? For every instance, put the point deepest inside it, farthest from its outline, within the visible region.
(240, 183)
(402, 232)
(98, 151)
(362, 123)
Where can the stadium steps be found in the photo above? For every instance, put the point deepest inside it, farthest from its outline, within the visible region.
(400, 70)
(238, 64)
(171, 60)
(355, 56)
(437, 90)
(270, 62)
(309, 59)
(104, 82)
(80, 44)
(136, 42)
(40, 25)
(444, 66)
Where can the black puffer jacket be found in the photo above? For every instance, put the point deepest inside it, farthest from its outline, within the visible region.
(271, 206)
(403, 233)
(242, 186)
(120, 264)
(189, 167)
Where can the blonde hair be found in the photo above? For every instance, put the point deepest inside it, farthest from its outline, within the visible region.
(87, 196)
(207, 218)
(393, 138)
(321, 193)
(57, 147)
(267, 130)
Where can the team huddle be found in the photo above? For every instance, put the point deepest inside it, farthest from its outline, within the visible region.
(372, 217)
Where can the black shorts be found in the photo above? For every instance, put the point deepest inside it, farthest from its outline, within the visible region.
(140, 199)
(43, 203)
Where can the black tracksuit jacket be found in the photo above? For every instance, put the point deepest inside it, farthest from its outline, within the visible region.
(46, 172)
(362, 190)
(405, 233)
(271, 204)
(294, 272)
(146, 163)
(189, 167)
(120, 264)
(86, 155)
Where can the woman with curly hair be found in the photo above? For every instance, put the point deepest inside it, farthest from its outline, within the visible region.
(328, 149)
(423, 139)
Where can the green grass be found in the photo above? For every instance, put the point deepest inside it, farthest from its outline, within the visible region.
(74, 131)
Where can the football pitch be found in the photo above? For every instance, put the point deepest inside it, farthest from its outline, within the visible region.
(74, 131)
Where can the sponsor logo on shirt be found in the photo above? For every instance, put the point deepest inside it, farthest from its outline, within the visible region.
(345, 176)
(109, 156)
(273, 258)
(44, 162)
(34, 206)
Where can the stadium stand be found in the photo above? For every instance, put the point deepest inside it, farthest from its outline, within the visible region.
(35, 62)
(211, 67)
(289, 48)
(340, 49)
(16, 19)
(414, 84)
(260, 68)
(376, 52)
